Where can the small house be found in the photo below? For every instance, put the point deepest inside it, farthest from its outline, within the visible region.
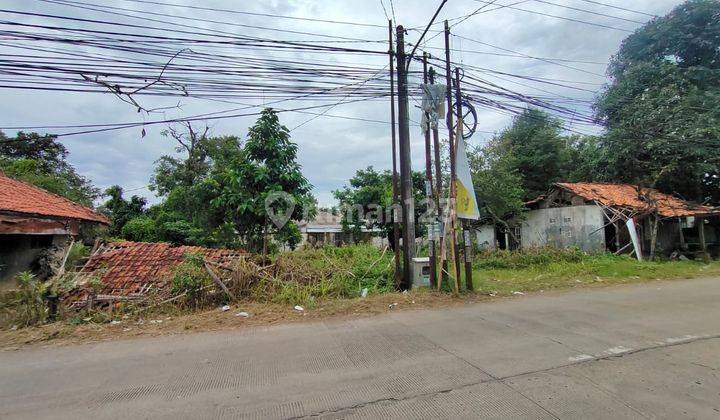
(326, 229)
(36, 228)
(598, 217)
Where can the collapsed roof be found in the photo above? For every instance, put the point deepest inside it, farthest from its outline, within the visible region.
(129, 270)
(644, 201)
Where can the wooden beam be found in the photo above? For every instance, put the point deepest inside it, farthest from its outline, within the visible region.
(701, 231)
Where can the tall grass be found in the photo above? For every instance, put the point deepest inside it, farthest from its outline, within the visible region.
(305, 275)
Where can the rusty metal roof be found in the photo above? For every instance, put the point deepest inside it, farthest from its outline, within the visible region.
(131, 269)
(626, 195)
(19, 197)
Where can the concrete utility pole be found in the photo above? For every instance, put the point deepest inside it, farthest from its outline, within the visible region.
(406, 193)
(451, 139)
(429, 185)
(467, 242)
(395, 189)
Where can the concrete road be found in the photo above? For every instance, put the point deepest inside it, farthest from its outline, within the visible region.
(644, 351)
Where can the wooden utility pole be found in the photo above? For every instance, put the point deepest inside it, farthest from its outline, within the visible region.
(451, 139)
(429, 185)
(467, 242)
(406, 195)
(438, 187)
(701, 233)
(395, 188)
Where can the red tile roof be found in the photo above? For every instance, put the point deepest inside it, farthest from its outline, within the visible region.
(131, 269)
(625, 195)
(19, 197)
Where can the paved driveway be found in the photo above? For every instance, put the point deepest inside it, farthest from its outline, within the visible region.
(642, 351)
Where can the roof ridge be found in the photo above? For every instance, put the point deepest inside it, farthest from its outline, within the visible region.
(93, 216)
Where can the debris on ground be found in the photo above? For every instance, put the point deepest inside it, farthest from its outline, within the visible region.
(299, 308)
(364, 292)
(392, 305)
(114, 322)
(518, 293)
(225, 308)
(242, 314)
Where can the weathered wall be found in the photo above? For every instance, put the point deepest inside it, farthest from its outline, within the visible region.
(18, 252)
(564, 227)
(485, 237)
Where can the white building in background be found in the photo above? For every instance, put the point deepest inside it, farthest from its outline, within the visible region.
(326, 229)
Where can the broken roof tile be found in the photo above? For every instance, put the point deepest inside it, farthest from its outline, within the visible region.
(626, 195)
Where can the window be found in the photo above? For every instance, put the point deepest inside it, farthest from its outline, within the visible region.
(568, 219)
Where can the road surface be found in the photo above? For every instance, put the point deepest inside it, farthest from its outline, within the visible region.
(642, 351)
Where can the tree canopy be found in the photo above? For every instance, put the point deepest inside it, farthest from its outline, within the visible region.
(662, 109)
(42, 161)
(215, 189)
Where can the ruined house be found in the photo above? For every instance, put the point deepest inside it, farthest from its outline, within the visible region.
(597, 217)
(36, 228)
(122, 271)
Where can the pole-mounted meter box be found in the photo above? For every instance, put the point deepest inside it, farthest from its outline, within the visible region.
(421, 272)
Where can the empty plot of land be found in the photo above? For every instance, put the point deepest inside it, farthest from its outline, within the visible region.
(639, 351)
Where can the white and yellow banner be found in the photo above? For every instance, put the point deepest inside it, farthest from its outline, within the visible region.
(467, 207)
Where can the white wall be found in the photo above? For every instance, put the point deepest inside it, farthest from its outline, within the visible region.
(565, 227)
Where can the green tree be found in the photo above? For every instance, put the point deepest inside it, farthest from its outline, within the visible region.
(662, 109)
(370, 193)
(536, 149)
(266, 167)
(42, 161)
(121, 211)
(497, 180)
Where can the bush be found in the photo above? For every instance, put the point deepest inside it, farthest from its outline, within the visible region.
(25, 306)
(300, 277)
(76, 253)
(525, 258)
(190, 278)
(140, 229)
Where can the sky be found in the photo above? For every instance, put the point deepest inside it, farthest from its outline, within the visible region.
(332, 149)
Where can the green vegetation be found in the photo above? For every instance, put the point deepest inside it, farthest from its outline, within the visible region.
(42, 161)
(369, 189)
(301, 277)
(191, 279)
(504, 272)
(214, 192)
(25, 306)
(662, 116)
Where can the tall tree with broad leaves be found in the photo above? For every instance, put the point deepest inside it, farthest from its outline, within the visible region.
(662, 109)
(266, 168)
(536, 150)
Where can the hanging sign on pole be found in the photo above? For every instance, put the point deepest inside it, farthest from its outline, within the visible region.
(467, 207)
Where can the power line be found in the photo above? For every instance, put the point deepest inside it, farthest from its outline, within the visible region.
(239, 12)
(589, 11)
(561, 17)
(619, 8)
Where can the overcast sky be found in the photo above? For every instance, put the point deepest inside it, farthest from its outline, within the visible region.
(332, 149)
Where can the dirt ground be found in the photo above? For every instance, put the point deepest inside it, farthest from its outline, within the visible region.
(260, 315)
(64, 333)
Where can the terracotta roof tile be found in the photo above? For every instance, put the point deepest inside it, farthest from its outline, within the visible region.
(19, 197)
(625, 195)
(130, 269)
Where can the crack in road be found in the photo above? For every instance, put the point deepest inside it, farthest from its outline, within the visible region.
(497, 379)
